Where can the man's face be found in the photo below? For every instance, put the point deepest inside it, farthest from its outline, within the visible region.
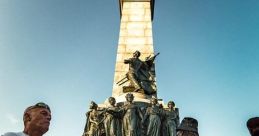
(40, 119)
(112, 101)
(170, 105)
(129, 98)
(135, 54)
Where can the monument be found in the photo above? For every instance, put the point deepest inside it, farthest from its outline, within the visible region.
(134, 109)
(135, 36)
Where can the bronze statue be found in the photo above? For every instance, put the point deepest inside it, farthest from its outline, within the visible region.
(153, 114)
(112, 122)
(94, 121)
(141, 74)
(135, 65)
(171, 120)
(132, 117)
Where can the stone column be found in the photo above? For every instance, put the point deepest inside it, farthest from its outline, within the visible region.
(135, 34)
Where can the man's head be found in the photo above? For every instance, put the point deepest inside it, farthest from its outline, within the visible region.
(112, 101)
(129, 97)
(93, 105)
(36, 119)
(171, 104)
(136, 54)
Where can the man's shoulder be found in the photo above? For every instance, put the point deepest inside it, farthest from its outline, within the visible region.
(14, 134)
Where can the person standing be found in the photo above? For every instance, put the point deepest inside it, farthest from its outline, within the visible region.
(36, 120)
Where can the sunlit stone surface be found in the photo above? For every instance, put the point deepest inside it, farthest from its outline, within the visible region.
(135, 34)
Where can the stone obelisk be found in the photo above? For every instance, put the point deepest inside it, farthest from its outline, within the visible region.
(135, 34)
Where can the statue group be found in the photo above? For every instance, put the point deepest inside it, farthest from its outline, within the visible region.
(130, 119)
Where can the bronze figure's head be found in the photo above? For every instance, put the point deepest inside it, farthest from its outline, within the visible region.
(136, 54)
(129, 97)
(112, 100)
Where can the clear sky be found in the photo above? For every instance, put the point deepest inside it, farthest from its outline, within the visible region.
(63, 52)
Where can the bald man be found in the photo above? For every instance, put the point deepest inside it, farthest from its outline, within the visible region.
(36, 120)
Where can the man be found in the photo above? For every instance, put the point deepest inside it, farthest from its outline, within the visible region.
(36, 120)
(135, 65)
(141, 73)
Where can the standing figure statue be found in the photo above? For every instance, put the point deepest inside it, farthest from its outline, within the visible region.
(94, 121)
(112, 123)
(132, 117)
(135, 65)
(153, 114)
(141, 74)
(171, 120)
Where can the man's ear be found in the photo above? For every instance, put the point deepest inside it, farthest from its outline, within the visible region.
(27, 117)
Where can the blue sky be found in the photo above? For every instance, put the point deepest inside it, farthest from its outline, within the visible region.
(63, 53)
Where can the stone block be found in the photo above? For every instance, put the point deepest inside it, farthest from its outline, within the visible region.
(147, 11)
(136, 32)
(123, 33)
(148, 49)
(148, 32)
(123, 25)
(128, 55)
(121, 48)
(126, 5)
(121, 67)
(147, 18)
(146, 5)
(119, 57)
(134, 11)
(122, 40)
(136, 18)
(124, 18)
(149, 25)
(137, 5)
(142, 48)
(137, 25)
(149, 40)
(135, 40)
(122, 56)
